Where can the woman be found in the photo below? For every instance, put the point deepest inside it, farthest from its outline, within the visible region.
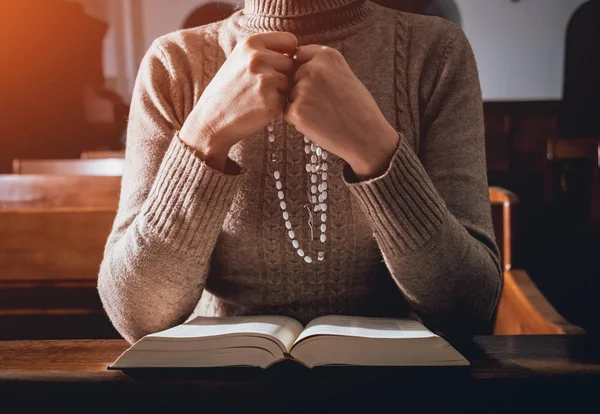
(217, 215)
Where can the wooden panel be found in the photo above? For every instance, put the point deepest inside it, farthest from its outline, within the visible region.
(107, 166)
(49, 191)
(65, 244)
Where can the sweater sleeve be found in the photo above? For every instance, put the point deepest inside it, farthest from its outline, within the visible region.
(172, 206)
(431, 214)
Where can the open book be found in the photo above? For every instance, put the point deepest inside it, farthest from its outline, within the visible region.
(265, 340)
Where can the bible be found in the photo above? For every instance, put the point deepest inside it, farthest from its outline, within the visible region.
(262, 341)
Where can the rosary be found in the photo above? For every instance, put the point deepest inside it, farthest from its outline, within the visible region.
(316, 169)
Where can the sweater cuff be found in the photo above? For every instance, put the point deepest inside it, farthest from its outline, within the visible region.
(189, 200)
(403, 206)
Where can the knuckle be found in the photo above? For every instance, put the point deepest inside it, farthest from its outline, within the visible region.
(295, 112)
(331, 53)
(255, 61)
(250, 41)
(263, 82)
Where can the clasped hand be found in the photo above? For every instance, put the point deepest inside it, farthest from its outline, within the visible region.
(267, 74)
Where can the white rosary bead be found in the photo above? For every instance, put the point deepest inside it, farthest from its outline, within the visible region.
(313, 167)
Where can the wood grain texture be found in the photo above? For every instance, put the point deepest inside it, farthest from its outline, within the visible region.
(96, 167)
(490, 356)
(54, 244)
(93, 155)
(58, 191)
(524, 310)
(511, 372)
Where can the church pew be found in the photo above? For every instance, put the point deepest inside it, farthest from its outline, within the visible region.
(49, 261)
(52, 244)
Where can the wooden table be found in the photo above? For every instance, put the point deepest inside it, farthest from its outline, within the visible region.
(508, 373)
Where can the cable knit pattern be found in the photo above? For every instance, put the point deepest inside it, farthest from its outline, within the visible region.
(190, 241)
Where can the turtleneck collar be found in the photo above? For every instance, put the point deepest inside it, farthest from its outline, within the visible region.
(301, 17)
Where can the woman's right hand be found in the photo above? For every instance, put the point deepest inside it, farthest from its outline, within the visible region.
(248, 92)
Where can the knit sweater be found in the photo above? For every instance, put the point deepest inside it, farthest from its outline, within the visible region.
(190, 240)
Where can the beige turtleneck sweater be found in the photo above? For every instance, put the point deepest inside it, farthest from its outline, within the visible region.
(189, 240)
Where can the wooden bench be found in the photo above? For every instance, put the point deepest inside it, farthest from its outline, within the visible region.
(49, 262)
(52, 235)
(523, 309)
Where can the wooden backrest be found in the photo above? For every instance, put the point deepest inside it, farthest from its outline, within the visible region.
(94, 155)
(106, 166)
(52, 191)
(53, 244)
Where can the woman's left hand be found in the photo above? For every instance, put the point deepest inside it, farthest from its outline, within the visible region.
(332, 107)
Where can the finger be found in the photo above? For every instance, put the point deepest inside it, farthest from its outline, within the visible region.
(279, 62)
(300, 73)
(293, 94)
(286, 114)
(282, 83)
(307, 52)
(282, 42)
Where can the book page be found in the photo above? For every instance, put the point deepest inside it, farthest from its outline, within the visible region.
(356, 326)
(285, 330)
